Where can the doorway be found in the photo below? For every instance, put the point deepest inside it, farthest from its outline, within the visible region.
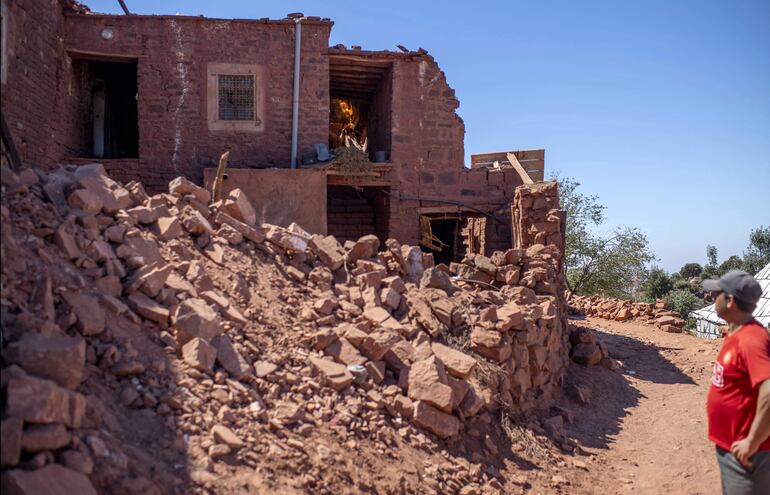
(108, 115)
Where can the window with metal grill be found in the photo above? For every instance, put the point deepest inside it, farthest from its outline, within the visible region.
(236, 97)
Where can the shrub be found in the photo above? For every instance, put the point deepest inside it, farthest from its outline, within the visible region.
(683, 301)
(658, 284)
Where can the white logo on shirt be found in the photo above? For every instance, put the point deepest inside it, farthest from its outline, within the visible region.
(717, 377)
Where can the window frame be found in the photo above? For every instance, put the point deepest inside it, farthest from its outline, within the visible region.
(214, 70)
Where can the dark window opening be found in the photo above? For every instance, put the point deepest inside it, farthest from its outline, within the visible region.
(360, 105)
(236, 97)
(108, 119)
(353, 212)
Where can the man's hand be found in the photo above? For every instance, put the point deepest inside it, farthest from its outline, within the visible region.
(743, 450)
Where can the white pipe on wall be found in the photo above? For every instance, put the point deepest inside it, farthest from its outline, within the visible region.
(295, 98)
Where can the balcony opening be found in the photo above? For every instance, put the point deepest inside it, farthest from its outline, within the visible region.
(360, 105)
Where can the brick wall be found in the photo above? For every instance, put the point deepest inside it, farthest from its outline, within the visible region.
(33, 79)
(47, 105)
(428, 156)
(173, 54)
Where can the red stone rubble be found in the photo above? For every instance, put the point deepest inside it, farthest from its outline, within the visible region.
(622, 310)
(154, 344)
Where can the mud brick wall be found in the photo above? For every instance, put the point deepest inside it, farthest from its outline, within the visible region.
(33, 84)
(48, 107)
(350, 215)
(46, 104)
(173, 55)
(427, 153)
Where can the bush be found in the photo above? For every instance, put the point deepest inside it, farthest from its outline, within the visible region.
(658, 284)
(682, 284)
(683, 301)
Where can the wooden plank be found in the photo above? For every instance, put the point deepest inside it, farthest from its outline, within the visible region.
(353, 83)
(357, 69)
(530, 154)
(525, 178)
(102, 56)
(521, 155)
(338, 180)
(431, 210)
(359, 61)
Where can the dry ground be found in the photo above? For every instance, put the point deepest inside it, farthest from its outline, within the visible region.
(645, 426)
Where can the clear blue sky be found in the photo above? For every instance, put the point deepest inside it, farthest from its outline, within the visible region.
(661, 108)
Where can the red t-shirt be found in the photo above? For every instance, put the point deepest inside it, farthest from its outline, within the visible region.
(742, 364)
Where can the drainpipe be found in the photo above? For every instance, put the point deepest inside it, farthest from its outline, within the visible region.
(295, 98)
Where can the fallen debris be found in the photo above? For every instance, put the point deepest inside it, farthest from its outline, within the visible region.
(234, 342)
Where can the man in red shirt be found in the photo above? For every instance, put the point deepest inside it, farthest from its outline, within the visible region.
(738, 403)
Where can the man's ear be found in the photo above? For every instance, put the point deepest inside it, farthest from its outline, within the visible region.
(730, 301)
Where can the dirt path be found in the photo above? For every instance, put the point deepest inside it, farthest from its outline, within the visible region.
(645, 425)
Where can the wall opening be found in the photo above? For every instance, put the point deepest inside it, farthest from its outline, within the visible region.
(360, 105)
(440, 237)
(108, 118)
(353, 212)
(449, 237)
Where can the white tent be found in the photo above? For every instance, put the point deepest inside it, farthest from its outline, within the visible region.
(707, 322)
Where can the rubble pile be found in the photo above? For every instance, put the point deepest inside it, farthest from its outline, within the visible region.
(615, 309)
(153, 344)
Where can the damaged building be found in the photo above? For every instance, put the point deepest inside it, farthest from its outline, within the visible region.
(155, 97)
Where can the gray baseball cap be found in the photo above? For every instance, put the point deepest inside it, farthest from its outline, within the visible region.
(738, 284)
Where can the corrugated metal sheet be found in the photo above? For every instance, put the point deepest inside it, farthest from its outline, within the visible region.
(707, 322)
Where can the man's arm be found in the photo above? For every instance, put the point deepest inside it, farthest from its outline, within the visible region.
(760, 427)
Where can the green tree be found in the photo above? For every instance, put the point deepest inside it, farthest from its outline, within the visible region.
(690, 270)
(757, 256)
(657, 285)
(710, 270)
(711, 255)
(732, 263)
(612, 264)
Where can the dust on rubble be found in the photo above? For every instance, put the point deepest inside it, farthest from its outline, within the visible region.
(166, 344)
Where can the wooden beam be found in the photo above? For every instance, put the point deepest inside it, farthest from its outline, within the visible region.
(341, 181)
(357, 69)
(102, 56)
(336, 59)
(525, 178)
(341, 76)
(431, 210)
(352, 82)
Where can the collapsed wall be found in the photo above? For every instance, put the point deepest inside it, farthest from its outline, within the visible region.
(151, 342)
(611, 308)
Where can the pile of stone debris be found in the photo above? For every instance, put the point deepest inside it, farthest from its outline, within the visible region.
(611, 308)
(155, 343)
